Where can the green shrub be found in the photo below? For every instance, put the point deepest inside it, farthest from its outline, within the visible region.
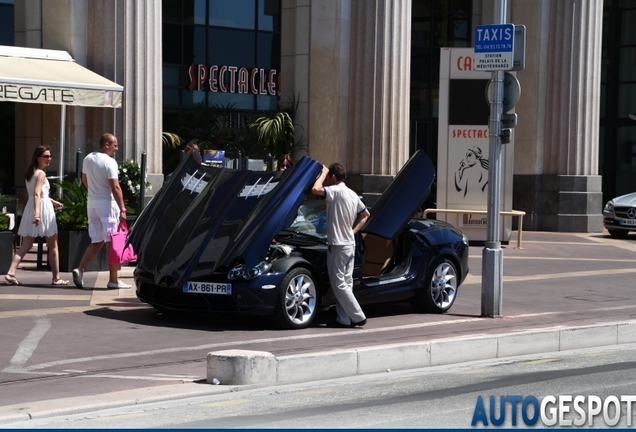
(4, 222)
(130, 182)
(4, 219)
(73, 217)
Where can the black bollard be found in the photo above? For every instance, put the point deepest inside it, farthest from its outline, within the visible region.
(142, 188)
(79, 160)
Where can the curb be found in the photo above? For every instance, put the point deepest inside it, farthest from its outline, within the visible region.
(243, 370)
(76, 405)
(241, 367)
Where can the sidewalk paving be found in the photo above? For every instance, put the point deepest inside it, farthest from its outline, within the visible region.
(562, 291)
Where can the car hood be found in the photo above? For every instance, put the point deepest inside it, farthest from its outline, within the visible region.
(206, 219)
(404, 196)
(628, 200)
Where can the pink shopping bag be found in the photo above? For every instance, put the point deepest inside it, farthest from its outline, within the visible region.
(120, 253)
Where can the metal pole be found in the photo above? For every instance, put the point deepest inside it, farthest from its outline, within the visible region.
(492, 257)
(142, 187)
(79, 162)
(60, 170)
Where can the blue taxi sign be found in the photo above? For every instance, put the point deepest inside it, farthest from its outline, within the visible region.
(494, 45)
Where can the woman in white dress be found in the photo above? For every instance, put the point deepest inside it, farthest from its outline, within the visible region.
(38, 218)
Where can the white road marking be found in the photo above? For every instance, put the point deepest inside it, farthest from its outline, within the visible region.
(138, 378)
(29, 344)
(569, 259)
(472, 279)
(298, 337)
(174, 376)
(55, 297)
(241, 343)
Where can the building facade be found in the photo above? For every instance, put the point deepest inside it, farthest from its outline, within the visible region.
(365, 77)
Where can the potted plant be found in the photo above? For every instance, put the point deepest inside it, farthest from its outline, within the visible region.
(277, 129)
(130, 183)
(72, 226)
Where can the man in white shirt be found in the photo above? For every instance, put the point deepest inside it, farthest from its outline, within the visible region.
(100, 175)
(346, 215)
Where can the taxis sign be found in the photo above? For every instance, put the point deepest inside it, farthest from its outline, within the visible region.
(494, 47)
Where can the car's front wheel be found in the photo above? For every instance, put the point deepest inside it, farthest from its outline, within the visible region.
(439, 288)
(298, 299)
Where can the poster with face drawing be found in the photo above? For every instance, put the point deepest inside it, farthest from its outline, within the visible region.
(468, 158)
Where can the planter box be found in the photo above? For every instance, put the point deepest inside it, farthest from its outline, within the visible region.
(6, 250)
(72, 245)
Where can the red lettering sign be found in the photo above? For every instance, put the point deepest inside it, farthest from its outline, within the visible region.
(233, 79)
(270, 82)
(469, 133)
(191, 76)
(213, 80)
(243, 76)
(232, 70)
(464, 63)
(252, 81)
(203, 73)
(222, 79)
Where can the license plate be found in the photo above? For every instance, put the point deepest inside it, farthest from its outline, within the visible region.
(207, 288)
(630, 222)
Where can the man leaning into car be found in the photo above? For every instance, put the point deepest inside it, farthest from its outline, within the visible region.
(346, 215)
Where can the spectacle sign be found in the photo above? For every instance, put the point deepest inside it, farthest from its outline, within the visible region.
(494, 45)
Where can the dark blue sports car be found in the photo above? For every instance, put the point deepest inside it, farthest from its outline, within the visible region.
(237, 241)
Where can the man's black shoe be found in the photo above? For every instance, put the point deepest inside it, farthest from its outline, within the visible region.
(359, 323)
(338, 324)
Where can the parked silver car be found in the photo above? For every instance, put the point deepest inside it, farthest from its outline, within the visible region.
(619, 215)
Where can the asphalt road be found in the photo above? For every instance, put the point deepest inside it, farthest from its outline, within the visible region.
(437, 397)
(61, 342)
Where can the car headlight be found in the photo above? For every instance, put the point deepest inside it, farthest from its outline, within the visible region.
(609, 207)
(236, 272)
(465, 239)
(258, 270)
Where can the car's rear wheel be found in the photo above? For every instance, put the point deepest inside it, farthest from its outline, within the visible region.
(439, 288)
(298, 299)
(618, 233)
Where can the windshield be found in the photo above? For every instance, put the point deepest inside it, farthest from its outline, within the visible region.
(311, 219)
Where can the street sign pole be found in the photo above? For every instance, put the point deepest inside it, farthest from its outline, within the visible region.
(492, 256)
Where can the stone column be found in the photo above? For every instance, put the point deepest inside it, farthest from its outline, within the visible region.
(326, 71)
(118, 39)
(124, 45)
(295, 18)
(377, 143)
(565, 186)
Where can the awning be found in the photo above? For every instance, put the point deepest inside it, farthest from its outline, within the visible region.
(52, 77)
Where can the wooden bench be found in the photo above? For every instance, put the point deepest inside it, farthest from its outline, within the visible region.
(518, 213)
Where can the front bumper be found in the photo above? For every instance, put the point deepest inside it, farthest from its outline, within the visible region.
(613, 222)
(248, 297)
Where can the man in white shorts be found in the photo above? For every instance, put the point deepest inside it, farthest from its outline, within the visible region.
(100, 175)
(346, 215)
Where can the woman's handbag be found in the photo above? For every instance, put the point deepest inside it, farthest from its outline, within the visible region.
(119, 252)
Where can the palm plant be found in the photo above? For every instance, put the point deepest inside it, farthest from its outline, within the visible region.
(215, 126)
(171, 140)
(276, 131)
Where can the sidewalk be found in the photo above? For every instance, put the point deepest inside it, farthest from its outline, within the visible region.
(562, 291)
